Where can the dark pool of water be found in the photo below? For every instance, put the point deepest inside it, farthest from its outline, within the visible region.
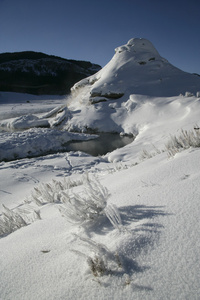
(106, 142)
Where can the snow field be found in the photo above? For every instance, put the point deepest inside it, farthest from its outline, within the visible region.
(142, 242)
(158, 201)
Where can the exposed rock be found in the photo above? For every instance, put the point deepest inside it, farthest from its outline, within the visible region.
(94, 100)
(109, 95)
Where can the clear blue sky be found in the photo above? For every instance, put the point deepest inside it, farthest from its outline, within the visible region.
(91, 30)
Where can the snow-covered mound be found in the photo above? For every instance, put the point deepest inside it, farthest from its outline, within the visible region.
(137, 68)
(150, 119)
(138, 92)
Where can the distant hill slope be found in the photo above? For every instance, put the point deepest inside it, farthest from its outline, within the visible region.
(39, 73)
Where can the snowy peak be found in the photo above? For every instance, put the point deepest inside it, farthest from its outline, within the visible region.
(137, 68)
(138, 49)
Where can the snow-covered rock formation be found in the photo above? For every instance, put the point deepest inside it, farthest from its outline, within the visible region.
(137, 68)
(137, 81)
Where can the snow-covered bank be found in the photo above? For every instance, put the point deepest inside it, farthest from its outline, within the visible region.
(150, 119)
(36, 142)
(18, 104)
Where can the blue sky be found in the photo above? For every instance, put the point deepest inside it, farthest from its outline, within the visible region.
(91, 30)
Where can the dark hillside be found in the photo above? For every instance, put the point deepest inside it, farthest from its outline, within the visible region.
(39, 73)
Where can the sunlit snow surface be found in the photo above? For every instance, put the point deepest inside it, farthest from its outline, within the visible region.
(158, 200)
(155, 254)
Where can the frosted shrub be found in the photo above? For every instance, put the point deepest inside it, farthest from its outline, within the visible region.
(51, 192)
(82, 207)
(185, 140)
(120, 166)
(43, 194)
(113, 215)
(89, 205)
(100, 260)
(198, 94)
(10, 221)
(188, 94)
(146, 155)
(97, 266)
(86, 206)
